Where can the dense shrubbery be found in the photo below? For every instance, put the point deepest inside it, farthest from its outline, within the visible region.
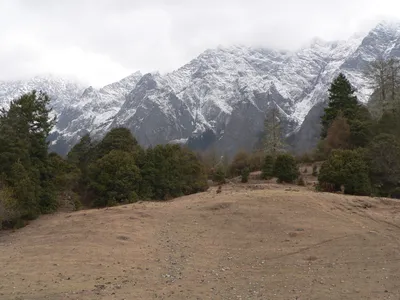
(114, 170)
(357, 162)
(347, 169)
(27, 178)
(383, 155)
(118, 172)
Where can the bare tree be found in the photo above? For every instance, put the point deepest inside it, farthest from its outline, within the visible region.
(377, 73)
(384, 77)
(273, 144)
(394, 79)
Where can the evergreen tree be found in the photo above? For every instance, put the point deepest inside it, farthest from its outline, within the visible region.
(268, 167)
(117, 139)
(285, 168)
(245, 175)
(25, 191)
(384, 159)
(115, 178)
(347, 168)
(81, 153)
(24, 129)
(219, 176)
(341, 99)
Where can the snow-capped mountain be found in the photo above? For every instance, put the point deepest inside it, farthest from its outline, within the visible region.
(225, 91)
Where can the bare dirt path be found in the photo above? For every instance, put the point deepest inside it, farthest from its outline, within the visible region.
(249, 242)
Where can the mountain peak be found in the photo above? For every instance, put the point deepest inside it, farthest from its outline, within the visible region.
(223, 90)
(387, 27)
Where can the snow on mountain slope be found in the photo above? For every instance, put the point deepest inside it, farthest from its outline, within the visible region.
(62, 91)
(226, 90)
(94, 109)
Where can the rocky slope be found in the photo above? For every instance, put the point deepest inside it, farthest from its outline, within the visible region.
(223, 91)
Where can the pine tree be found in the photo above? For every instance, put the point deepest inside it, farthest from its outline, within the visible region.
(268, 167)
(245, 175)
(24, 129)
(80, 153)
(117, 139)
(115, 178)
(341, 100)
(285, 168)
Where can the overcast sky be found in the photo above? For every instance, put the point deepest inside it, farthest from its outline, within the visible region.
(101, 41)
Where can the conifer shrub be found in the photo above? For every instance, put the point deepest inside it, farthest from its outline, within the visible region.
(114, 178)
(285, 168)
(245, 175)
(268, 168)
(218, 176)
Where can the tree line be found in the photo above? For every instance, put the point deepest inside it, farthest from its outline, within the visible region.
(102, 173)
(361, 143)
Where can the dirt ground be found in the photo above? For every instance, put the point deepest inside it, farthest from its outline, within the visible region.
(248, 242)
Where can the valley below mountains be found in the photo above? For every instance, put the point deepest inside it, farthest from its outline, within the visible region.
(219, 99)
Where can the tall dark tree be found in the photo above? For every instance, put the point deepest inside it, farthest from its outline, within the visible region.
(115, 178)
(341, 99)
(80, 153)
(117, 139)
(24, 129)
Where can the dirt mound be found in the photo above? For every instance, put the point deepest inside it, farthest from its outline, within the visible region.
(267, 242)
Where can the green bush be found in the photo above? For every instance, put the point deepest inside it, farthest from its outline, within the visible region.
(8, 207)
(268, 167)
(347, 168)
(383, 155)
(171, 171)
(285, 168)
(245, 175)
(218, 176)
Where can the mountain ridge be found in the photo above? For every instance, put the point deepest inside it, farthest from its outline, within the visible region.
(224, 90)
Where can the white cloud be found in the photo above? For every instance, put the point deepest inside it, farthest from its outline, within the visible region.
(100, 41)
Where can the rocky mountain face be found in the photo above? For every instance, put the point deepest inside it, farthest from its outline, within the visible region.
(224, 91)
